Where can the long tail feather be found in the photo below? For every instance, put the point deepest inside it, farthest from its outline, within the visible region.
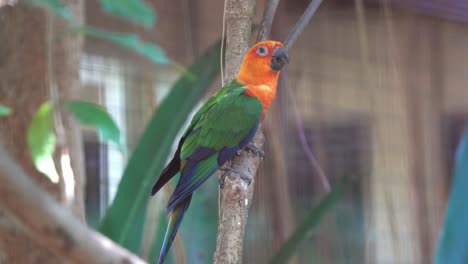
(170, 171)
(172, 168)
(174, 222)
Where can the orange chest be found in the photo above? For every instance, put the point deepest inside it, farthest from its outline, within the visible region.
(264, 93)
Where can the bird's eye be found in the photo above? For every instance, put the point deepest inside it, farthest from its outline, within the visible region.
(262, 51)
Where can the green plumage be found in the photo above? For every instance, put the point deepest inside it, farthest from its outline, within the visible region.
(224, 120)
(226, 123)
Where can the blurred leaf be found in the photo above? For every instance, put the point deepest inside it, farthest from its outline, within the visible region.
(95, 115)
(453, 244)
(41, 141)
(124, 219)
(133, 10)
(4, 111)
(311, 221)
(55, 6)
(131, 41)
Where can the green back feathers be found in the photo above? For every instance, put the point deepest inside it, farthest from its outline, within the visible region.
(223, 121)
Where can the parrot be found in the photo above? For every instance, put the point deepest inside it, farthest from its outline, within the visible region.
(224, 124)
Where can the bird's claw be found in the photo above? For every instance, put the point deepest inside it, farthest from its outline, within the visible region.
(227, 170)
(254, 149)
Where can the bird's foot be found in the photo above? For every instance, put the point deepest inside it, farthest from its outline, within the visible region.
(255, 150)
(227, 170)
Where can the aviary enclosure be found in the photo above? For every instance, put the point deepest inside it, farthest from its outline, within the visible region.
(366, 155)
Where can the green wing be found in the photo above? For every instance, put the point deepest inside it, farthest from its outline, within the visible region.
(223, 121)
(222, 126)
(214, 99)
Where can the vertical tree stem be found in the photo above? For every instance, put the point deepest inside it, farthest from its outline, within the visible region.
(235, 197)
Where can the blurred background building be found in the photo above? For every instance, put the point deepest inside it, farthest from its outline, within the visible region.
(380, 91)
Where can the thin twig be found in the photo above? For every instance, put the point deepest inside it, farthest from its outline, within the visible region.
(221, 51)
(298, 118)
(267, 21)
(51, 224)
(300, 25)
(305, 146)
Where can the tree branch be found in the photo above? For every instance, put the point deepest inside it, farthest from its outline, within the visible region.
(236, 195)
(267, 21)
(300, 25)
(50, 224)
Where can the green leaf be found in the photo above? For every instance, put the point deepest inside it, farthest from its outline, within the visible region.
(133, 10)
(55, 6)
(41, 141)
(4, 111)
(453, 243)
(123, 220)
(95, 115)
(311, 221)
(127, 40)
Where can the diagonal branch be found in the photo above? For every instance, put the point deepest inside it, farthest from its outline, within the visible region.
(267, 21)
(52, 225)
(303, 21)
(303, 139)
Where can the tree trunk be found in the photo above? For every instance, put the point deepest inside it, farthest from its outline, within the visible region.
(26, 34)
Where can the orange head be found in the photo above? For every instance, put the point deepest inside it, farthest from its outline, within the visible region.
(260, 70)
(262, 63)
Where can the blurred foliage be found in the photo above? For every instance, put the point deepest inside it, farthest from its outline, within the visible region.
(453, 244)
(55, 6)
(95, 115)
(41, 141)
(133, 10)
(123, 221)
(4, 111)
(131, 41)
(309, 223)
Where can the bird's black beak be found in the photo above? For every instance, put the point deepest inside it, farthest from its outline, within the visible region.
(279, 59)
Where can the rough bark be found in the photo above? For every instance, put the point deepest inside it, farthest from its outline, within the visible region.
(23, 87)
(50, 224)
(236, 196)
